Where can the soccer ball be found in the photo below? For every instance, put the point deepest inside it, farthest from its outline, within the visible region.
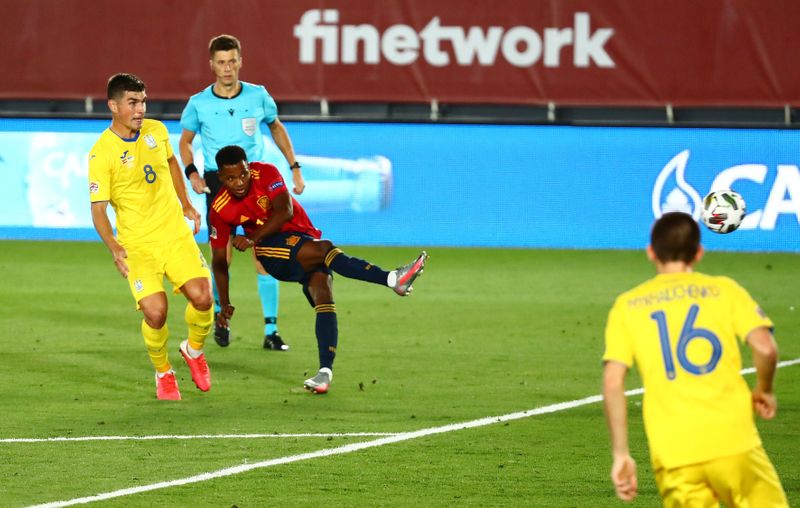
(723, 211)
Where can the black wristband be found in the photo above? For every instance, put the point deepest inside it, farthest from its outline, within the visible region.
(295, 165)
(190, 168)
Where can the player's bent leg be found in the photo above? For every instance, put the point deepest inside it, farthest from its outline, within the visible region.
(400, 280)
(354, 268)
(199, 316)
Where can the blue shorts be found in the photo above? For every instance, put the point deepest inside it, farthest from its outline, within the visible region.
(278, 255)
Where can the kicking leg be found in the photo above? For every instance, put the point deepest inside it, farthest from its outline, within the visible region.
(199, 317)
(334, 258)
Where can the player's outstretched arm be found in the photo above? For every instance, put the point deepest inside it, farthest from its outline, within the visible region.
(765, 359)
(103, 227)
(623, 468)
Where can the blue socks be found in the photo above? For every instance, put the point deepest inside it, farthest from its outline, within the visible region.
(327, 330)
(268, 289)
(355, 268)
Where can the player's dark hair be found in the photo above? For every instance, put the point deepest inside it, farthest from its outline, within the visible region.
(675, 237)
(120, 83)
(224, 42)
(230, 156)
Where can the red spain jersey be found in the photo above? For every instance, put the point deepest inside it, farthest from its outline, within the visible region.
(254, 208)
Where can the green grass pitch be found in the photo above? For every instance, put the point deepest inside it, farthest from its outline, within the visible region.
(487, 332)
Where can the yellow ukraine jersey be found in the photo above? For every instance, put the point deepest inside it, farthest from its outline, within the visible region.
(133, 174)
(683, 330)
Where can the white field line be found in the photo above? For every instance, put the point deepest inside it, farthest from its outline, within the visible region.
(396, 438)
(197, 436)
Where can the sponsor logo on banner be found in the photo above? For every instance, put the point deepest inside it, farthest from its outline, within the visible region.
(441, 45)
(672, 192)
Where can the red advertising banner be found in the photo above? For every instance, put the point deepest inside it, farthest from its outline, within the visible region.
(575, 52)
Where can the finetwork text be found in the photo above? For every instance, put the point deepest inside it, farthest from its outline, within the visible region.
(521, 46)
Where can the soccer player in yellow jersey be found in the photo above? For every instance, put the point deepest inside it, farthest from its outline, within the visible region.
(132, 166)
(682, 329)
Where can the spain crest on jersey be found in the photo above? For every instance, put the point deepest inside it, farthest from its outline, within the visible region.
(263, 202)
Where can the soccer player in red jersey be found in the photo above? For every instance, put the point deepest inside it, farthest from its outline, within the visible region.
(289, 247)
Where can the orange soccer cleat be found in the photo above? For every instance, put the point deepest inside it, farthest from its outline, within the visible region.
(167, 387)
(197, 367)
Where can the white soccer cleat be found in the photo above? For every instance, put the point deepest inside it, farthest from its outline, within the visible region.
(320, 382)
(406, 275)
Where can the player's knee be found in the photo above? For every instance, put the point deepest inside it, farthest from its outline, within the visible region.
(328, 251)
(198, 292)
(324, 246)
(202, 300)
(155, 318)
(154, 309)
(312, 254)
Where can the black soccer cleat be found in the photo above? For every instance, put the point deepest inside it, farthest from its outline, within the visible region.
(222, 334)
(274, 342)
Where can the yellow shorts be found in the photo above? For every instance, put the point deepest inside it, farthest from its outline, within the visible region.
(744, 480)
(180, 260)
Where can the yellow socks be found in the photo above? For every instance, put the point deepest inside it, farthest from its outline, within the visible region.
(156, 342)
(199, 323)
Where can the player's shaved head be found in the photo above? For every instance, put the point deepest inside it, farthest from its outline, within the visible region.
(675, 237)
(120, 83)
(230, 155)
(224, 42)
